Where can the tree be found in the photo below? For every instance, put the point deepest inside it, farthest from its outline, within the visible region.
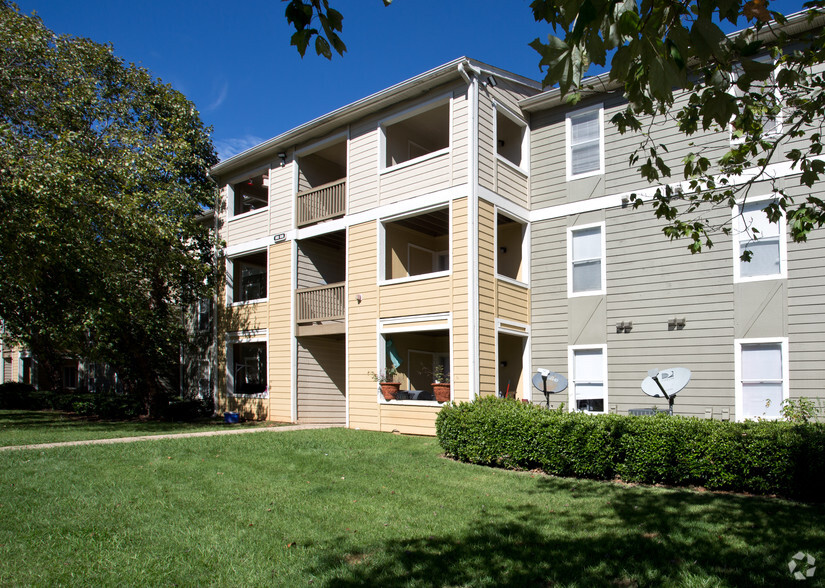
(659, 53)
(103, 175)
(673, 62)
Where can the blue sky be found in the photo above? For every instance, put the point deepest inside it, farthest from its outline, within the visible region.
(234, 61)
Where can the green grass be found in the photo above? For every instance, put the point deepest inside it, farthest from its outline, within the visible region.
(26, 427)
(342, 508)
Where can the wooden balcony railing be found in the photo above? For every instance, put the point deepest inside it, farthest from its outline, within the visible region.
(322, 303)
(322, 203)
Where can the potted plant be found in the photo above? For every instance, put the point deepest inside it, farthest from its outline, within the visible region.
(441, 385)
(389, 388)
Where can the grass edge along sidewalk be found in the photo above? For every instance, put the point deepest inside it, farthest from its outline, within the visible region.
(150, 437)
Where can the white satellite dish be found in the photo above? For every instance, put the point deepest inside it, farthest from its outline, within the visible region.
(665, 383)
(549, 383)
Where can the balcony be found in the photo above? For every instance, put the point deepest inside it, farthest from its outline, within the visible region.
(320, 310)
(322, 203)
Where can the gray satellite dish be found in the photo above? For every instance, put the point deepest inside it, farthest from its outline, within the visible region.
(549, 383)
(665, 383)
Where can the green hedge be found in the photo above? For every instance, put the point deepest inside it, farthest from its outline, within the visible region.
(760, 457)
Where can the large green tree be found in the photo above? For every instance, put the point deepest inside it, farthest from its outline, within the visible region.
(103, 175)
(675, 65)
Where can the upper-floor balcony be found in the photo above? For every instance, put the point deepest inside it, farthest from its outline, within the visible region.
(320, 297)
(322, 184)
(322, 203)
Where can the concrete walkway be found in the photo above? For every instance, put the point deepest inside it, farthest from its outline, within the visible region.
(238, 431)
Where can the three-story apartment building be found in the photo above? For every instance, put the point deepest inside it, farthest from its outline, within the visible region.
(466, 220)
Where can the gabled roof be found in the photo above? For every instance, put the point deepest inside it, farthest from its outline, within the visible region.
(407, 89)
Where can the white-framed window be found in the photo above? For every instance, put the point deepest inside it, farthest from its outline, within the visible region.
(762, 369)
(247, 277)
(418, 133)
(585, 142)
(246, 366)
(416, 245)
(204, 314)
(512, 248)
(586, 254)
(587, 366)
(416, 346)
(769, 88)
(512, 138)
(248, 194)
(752, 231)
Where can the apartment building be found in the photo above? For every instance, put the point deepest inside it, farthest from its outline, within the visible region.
(465, 221)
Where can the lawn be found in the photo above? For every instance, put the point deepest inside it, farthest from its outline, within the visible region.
(26, 427)
(341, 508)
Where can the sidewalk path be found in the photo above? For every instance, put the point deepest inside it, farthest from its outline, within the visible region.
(238, 431)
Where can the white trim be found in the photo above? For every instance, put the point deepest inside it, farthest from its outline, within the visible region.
(239, 177)
(230, 271)
(474, 353)
(524, 166)
(571, 390)
(525, 249)
(239, 249)
(410, 112)
(293, 338)
(382, 244)
(313, 147)
(603, 289)
(737, 251)
(568, 126)
(521, 330)
(246, 214)
(347, 387)
(737, 362)
(506, 206)
(774, 171)
(416, 278)
(241, 337)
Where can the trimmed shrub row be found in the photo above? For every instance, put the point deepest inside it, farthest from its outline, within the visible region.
(780, 458)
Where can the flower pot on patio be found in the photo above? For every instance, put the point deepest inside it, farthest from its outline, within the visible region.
(390, 390)
(441, 390)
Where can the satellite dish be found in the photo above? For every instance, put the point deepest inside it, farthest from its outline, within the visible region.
(665, 383)
(549, 382)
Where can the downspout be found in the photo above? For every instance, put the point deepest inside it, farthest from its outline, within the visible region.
(215, 297)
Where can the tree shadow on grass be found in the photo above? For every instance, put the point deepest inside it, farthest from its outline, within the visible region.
(637, 537)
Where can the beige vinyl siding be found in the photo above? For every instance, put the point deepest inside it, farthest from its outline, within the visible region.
(512, 302)
(249, 317)
(511, 183)
(362, 336)
(460, 126)
(362, 176)
(486, 143)
(280, 323)
(651, 280)
(486, 298)
(321, 380)
(247, 227)
(408, 419)
(281, 198)
(460, 376)
(426, 296)
(419, 178)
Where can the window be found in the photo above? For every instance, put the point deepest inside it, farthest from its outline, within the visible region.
(70, 376)
(585, 142)
(417, 245)
(247, 362)
(764, 95)
(761, 377)
(249, 194)
(511, 138)
(511, 239)
(588, 385)
(586, 253)
(204, 314)
(765, 240)
(248, 274)
(421, 133)
(419, 356)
